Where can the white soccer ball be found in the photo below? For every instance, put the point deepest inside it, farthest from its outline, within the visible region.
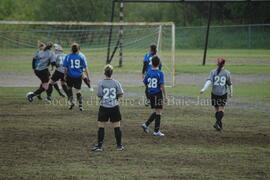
(27, 94)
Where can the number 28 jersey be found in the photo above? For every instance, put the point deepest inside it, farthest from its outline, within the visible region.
(220, 81)
(153, 80)
(108, 91)
(75, 63)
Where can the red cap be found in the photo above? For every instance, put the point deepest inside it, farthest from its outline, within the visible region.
(221, 61)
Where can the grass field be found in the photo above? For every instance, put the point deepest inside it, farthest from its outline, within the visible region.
(45, 141)
(42, 140)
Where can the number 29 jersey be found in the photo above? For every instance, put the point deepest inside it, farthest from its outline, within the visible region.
(75, 63)
(108, 91)
(153, 80)
(220, 81)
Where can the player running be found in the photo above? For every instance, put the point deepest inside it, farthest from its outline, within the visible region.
(147, 65)
(45, 58)
(219, 79)
(109, 91)
(58, 73)
(154, 81)
(35, 62)
(74, 66)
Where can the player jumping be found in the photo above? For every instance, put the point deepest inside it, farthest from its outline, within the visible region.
(109, 91)
(154, 81)
(45, 58)
(74, 66)
(219, 79)
(147, 65)
(58, 73)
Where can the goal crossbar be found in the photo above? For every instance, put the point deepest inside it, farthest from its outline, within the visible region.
(91, 23)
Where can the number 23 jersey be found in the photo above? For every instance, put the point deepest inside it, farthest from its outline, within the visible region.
(108, 91)
(220, 81)
(153, 80)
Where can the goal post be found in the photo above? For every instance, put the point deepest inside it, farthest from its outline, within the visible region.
(93, 38)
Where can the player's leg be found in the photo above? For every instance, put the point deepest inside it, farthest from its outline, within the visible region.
(70, 83)
(219, 115)
(77, 86)
(50, 90)
(158, 108)
(115, 118)
(103, 117)
(64, 86)
(44, 77)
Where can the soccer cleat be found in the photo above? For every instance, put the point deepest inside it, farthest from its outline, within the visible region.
(48, 98)
(96, 149)
(70, 106)
(217, 127)
(145, 128)
(39, 97)
(30, 97)
(158, 134)
(120, 148)
(81, 107)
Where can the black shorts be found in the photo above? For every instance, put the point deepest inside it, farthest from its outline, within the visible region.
(57, 75)
(104, 114)
(156, 100)
(43, 75)
(74, 82)
(218, 100)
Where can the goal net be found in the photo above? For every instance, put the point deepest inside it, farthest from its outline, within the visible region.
(21, 38)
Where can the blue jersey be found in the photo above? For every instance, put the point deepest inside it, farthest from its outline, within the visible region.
(75, 63)
(153, 80)
(148, 60)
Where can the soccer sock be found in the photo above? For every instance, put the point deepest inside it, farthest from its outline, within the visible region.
(101, 133)
(70, 95)
(38, 91)
(150, 119)
(79, 98)
(65, 89)
(49, 90)
(157, 122)
(118, 136)
(56, 87)
(86, 82)
(220, 116)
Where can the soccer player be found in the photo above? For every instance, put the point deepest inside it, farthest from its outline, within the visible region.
(109, 91)
(219, 79)
(45, 58)
(58, 73)
(147, 65)
(35, 62)
(74, 66)
(154, 81)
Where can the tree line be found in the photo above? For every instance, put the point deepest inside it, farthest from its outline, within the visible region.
(184, 14)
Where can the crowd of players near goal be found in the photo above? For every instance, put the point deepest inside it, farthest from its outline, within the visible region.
(71, 69)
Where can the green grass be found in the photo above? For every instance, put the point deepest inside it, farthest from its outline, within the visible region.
(187, 61)
(46, 141)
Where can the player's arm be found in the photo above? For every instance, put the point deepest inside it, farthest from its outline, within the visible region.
(119, 90)
(207, 83)
(33, 63)
(229, 83)
(53, 61)
(99, 92)
(145, 63)
(65, 66)
(162, 86)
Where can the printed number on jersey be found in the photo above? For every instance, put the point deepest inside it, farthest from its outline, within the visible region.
(75, 63)
(152, 82)
(109, 93)
(220, 81)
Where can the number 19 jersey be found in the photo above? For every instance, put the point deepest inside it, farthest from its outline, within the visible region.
(220, 81)
(75, 63)
(153, 80)
(108, 91)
